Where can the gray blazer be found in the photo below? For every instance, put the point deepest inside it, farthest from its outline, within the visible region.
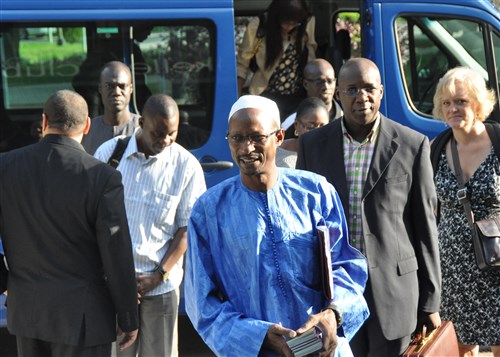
(65, 235)
(397, 215)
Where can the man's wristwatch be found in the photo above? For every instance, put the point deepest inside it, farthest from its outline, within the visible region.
(337, 311)
(164, 274)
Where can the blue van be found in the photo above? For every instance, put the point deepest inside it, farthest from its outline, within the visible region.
(187, 49)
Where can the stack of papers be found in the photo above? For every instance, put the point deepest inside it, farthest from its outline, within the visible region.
(307, 343)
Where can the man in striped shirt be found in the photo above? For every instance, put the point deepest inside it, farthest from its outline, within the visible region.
(162, 181)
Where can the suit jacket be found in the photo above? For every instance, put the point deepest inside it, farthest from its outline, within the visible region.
(398, 220)
(67, 243)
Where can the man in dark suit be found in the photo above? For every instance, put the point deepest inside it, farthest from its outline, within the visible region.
(65, 235)
(383, 175)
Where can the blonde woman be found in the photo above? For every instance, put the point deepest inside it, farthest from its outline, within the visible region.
(470, 297)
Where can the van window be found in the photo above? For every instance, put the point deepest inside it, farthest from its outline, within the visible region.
(345, 41)
(429, 47)
(348, 24)
(171, 57)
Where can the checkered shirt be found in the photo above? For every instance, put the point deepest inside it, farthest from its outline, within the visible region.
(357, 159)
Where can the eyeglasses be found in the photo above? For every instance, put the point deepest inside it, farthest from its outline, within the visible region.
(320, 82)
(254, 138)
(353, 91)
(309, 126)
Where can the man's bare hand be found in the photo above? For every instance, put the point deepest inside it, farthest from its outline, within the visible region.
(147, 282)
(431, 320)
(128, 338)
(327, 323)
(276, 340)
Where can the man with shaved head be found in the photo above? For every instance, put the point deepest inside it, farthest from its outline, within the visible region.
(253, 265)
(115, 88)
(67, 243)
(383, 174)
(162, 181)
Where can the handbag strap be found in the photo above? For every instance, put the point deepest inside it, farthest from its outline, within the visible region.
(462, 193)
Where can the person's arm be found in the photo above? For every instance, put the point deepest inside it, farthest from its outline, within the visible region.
(340, 318)
(424, 202)
(115, 247)
(241, 81)
(192, 187)
(227, 331)
(147, 282)
(311, 39)
(349, 266)
(246, 51)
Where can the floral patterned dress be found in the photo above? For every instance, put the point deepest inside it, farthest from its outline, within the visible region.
(470, 298)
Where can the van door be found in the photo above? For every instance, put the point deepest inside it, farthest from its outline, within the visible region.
(414, 44)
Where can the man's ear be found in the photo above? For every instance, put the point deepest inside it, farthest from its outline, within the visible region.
(45, 124)
(141, 122)
(304, 84)
(280, 135)
(87, 126)
(336, 95)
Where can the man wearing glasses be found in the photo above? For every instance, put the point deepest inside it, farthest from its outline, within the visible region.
(319, 82)
(252, 265)
(383, 174)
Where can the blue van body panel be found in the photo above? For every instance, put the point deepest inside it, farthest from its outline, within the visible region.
(114, 4)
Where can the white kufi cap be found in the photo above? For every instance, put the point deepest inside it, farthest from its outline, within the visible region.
(255, 101)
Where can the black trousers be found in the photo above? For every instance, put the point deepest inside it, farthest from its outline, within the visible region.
(30, 347)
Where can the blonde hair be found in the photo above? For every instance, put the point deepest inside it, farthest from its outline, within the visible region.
(483, 98)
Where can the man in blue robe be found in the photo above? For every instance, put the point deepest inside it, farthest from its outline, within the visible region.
(253, 269)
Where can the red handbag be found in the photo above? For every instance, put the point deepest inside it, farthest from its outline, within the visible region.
(442, 342)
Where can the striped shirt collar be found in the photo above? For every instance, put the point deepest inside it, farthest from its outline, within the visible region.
(133, 150)
(371, 137)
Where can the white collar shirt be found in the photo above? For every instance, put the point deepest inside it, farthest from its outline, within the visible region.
(160, 192)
